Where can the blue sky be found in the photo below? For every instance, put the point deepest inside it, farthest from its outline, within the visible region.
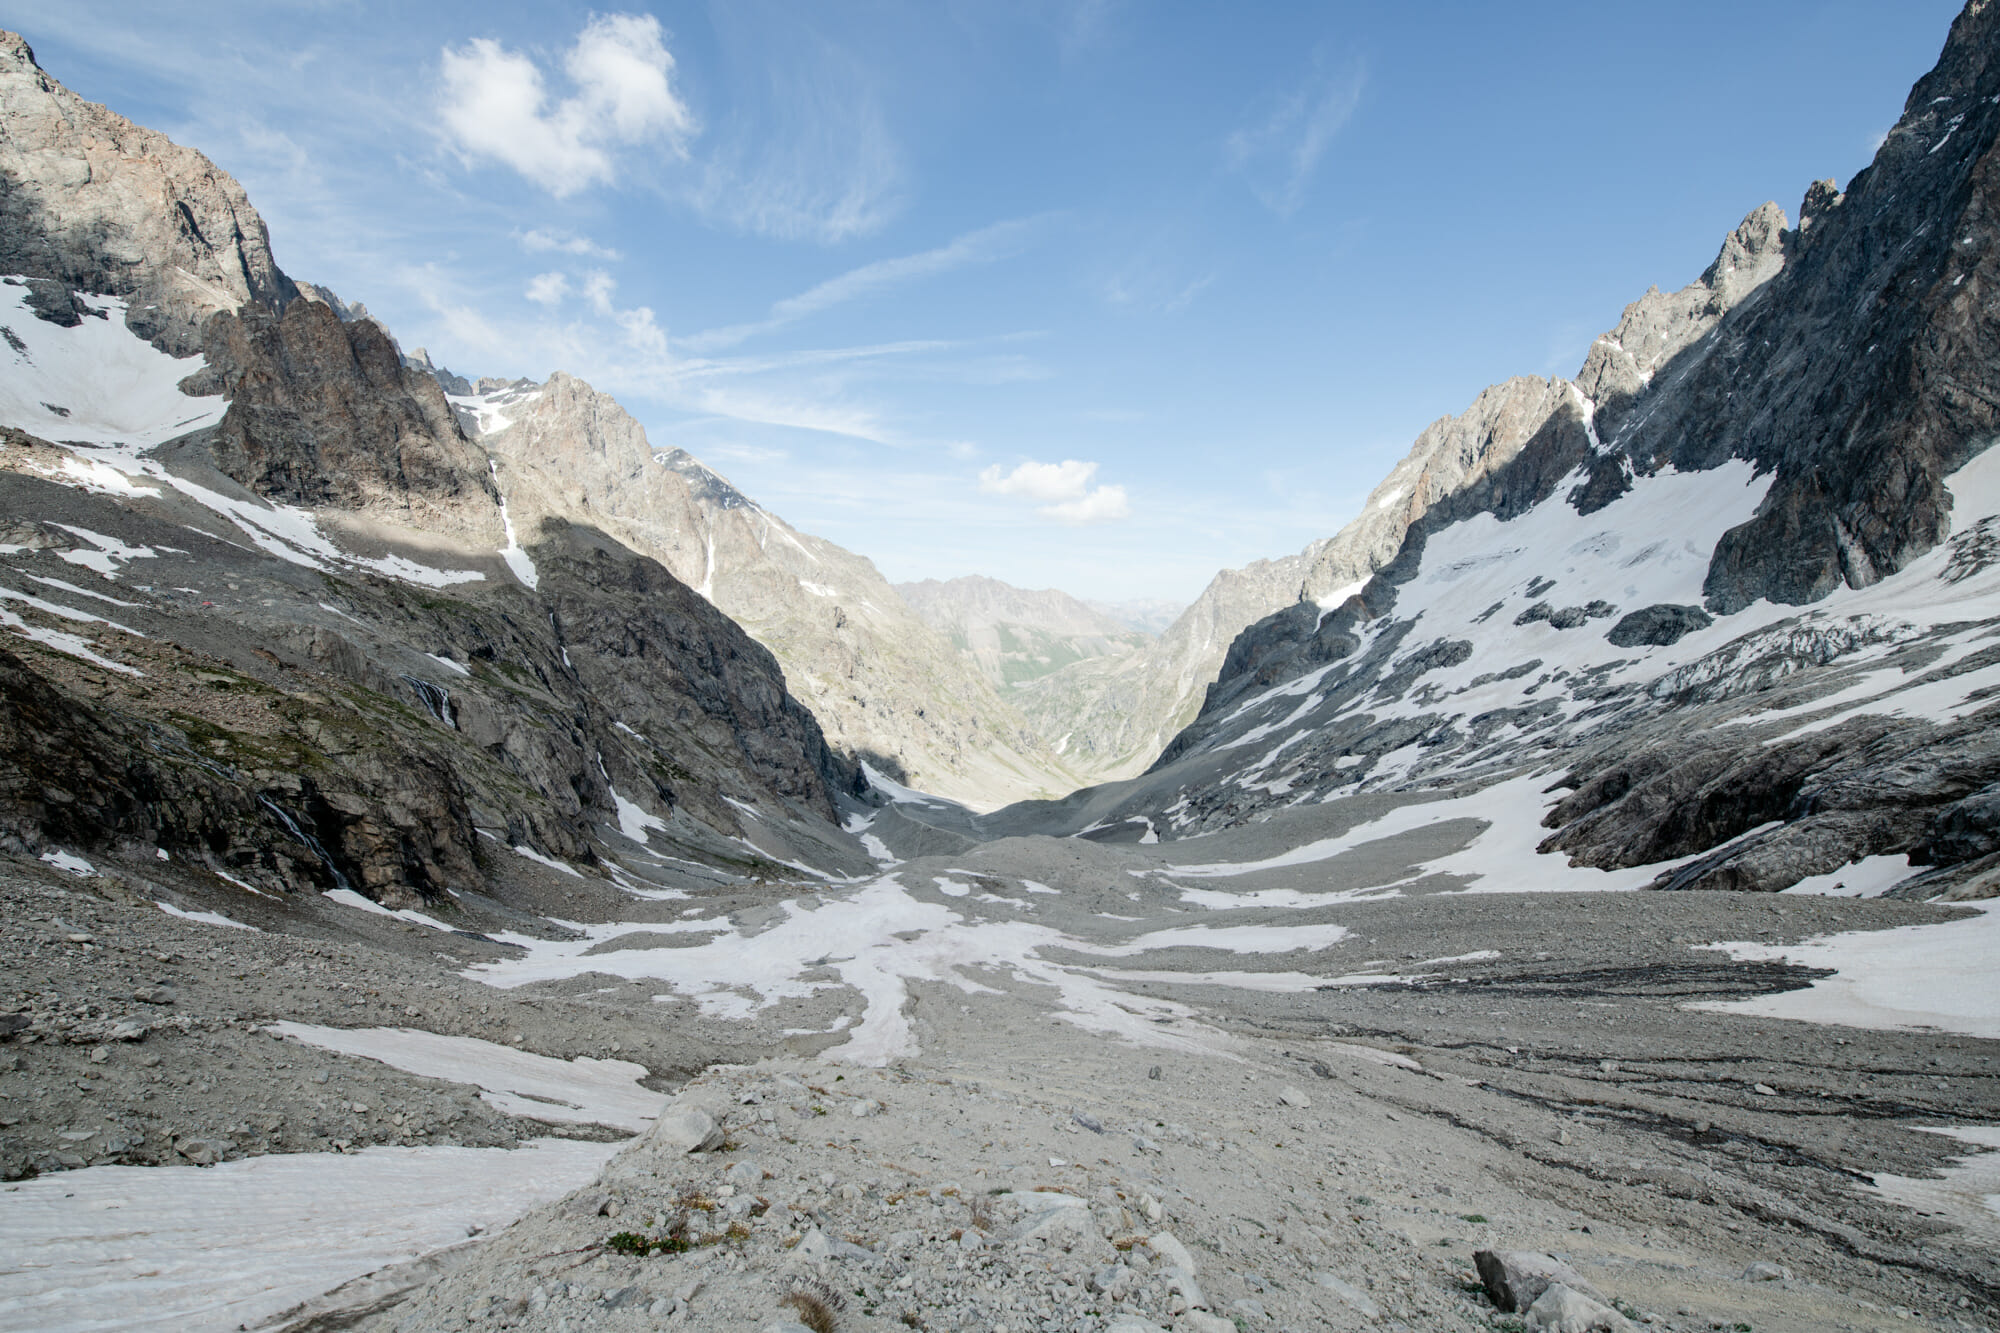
(1102, 296)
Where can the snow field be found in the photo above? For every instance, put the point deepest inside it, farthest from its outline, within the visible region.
(196, 1249)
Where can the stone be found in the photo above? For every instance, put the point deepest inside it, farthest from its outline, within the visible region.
(1167, 1248)
(1198, 1321)
(1561, 1309)
(1131, 1323)
(1354, 1296)
(1290, 1096)
(1766, 1271)
(743, 1175)
(816, 1244)
(97, 204)
(1514, 1278)
(202, 1152)
(865, 1108)
(688, 1128)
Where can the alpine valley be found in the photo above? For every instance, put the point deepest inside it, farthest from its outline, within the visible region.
(463, 866)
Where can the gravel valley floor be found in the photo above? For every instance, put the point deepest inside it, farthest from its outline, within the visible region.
(1038, 1084)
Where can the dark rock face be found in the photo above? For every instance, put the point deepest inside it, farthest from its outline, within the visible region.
(1660, 625)
(324, 413)
(90, 201)
(293, 747)
(1966, 830)
(1868, 370)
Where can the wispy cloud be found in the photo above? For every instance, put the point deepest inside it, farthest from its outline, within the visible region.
(542, 242)
(806, 151)
(977, 247)
(1063, 490)
(1279, 154)
(493, 103)
(548, 288)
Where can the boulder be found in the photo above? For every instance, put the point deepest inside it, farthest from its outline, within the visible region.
(1515, 1278)
(1563, 1310)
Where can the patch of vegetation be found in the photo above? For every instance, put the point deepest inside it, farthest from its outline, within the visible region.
(639, 1246)
(817, 1305)
(1477, 1219)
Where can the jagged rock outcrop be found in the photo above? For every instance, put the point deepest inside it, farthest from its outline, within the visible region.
(888, 688)
(1482, 459)
(1867, 373)
(91, 202)
(323, 413)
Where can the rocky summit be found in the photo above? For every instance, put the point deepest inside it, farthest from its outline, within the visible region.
(465, 866)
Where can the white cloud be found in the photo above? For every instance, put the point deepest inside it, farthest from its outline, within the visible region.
(1279, 156)
(548, 288)
(976, 247)
(545, 242)
(1063, 490)
(1100, 506)
(493, 103)
(1067, 480)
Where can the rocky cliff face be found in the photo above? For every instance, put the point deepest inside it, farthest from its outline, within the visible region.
(888, 688)
(91, 202)
(323, 413)
(1587, 586)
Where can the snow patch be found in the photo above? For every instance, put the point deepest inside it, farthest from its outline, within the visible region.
(206, 918)
(583, 1091)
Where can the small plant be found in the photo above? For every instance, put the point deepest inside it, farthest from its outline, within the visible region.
(819, 1110)
(639, 1246)
(817, 1305)
(1363, 1201)
(1477, 1219)
(737, 1231)
(909, 1319)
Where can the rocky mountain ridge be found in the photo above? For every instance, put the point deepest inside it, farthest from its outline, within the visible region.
(344, 672)
(1596, 580)
(887, 687)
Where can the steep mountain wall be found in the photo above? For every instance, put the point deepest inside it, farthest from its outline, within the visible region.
(325, 671)
(91, 202)
(888, 688)
(1580, 595)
